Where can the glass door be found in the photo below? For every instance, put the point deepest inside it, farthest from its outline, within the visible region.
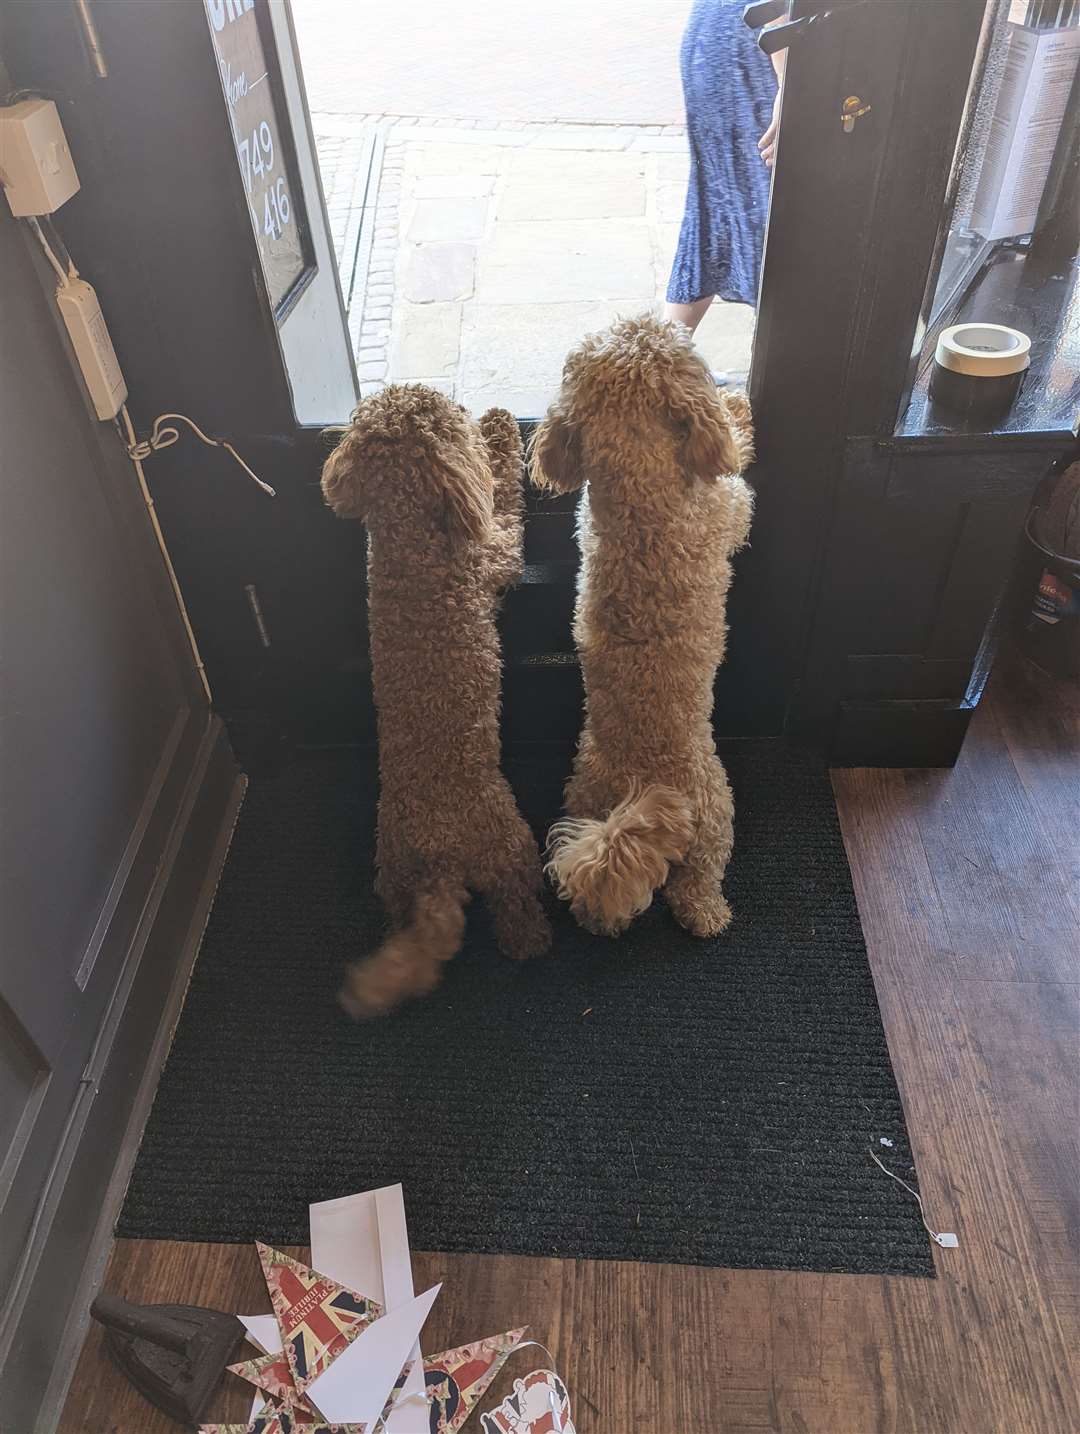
(255, 48)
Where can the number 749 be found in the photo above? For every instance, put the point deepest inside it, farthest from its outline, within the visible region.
(256, 154)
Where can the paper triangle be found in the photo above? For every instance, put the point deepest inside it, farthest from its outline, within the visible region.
(318, 1318)
(457, 1378)
(393, 1397)
(355, 1387)
(271, 1373)
(280, 1421)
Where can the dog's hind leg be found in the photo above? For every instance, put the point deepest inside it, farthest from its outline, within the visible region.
(409, 962)
(396, 876)
(511, 884)
(694, 891)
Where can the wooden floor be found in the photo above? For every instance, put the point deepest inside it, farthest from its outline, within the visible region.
(969, 887)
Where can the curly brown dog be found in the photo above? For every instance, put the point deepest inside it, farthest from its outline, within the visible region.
(640, 418)
(441, 497)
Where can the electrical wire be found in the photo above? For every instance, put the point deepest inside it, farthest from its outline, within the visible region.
(132, 447)
(61, 273)
(945, 1238)
(163, 434)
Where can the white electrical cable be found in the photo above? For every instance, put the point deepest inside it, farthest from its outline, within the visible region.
(945, 1238)
(162, 435)
(61, 273)
(132, 446)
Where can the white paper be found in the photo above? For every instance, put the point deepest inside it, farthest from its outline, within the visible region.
(362, 1242)
(263, 1330)
(1039, 70)
(356, 1386)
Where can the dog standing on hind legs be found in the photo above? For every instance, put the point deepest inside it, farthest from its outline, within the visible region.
(640, 418)
(442, 500)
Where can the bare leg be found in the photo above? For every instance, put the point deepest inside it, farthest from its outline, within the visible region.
(689, 314)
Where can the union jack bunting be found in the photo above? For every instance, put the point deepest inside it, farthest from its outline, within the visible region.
(392, 1398)
(457, 1378)
(280, 1421)
(271, 1373)
(318, 1318)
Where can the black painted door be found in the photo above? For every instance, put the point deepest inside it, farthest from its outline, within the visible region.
(276, 587)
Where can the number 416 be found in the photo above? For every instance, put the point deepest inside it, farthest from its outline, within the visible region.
(277, 210)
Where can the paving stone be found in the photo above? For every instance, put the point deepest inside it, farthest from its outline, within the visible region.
(439, 272)
(498, 367)
(673, 167)
(725, 336)
(600, 166)
(566, 260)
(587, 136)
(670, 201)
(659, 144)
(443, 158)
(426, 339)
(453, 186)
(446, 219)
(468, 137)
(572, 197)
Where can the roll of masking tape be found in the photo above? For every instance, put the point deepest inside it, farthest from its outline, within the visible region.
(979, 368)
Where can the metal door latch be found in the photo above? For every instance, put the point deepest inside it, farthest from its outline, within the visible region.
(852, 109)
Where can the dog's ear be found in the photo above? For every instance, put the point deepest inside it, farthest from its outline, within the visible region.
(556, 461)
(346, 474)
(712, 444)
(469, 490)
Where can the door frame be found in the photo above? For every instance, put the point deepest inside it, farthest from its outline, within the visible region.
(853, 226)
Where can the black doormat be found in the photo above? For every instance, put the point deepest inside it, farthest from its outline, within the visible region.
(654, 1097)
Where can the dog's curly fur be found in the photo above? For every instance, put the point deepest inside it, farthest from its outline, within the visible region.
(442, 500)
(640, 418)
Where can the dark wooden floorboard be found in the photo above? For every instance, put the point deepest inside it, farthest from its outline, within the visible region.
(969, 888)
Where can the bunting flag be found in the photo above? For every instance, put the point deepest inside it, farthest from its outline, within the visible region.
(539, 1404)
(318, 1318)
(393, 1397)
(271, 1374)
(280, 1421)
(457, 1378)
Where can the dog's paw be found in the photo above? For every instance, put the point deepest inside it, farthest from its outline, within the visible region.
(526, 938)
(703, 918)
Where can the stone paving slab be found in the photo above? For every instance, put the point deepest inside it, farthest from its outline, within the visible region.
(578, 197)
(496, 249)
(563, 260)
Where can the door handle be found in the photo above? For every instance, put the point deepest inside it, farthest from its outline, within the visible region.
(780, 37)
(763, 12)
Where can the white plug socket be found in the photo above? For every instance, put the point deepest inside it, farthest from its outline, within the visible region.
(36, 168)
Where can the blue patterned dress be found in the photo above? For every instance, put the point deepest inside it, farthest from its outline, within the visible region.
(729, 86)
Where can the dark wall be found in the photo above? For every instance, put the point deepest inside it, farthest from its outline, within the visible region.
(109, 762)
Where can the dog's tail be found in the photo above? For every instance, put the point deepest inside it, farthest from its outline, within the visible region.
(410, 960)
(608, 870)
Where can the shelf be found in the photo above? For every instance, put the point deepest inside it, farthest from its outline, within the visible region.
(1012, 289)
